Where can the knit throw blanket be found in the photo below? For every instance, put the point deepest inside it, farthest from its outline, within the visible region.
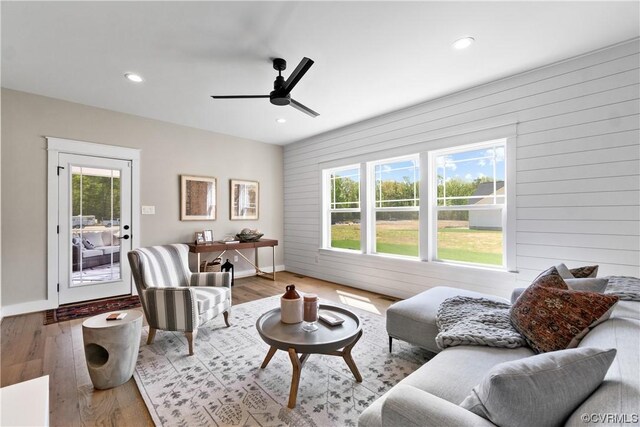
(476, 321)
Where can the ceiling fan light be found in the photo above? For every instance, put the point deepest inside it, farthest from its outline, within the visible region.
(136, 78)
(463, 43)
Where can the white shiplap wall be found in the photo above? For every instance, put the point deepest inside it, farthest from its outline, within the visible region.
(577, 174)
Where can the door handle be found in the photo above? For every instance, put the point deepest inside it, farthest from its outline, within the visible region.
(125, 237)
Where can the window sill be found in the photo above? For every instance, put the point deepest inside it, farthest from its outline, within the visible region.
(383, 259)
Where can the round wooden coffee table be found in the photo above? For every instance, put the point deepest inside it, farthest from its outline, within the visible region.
(326, 340)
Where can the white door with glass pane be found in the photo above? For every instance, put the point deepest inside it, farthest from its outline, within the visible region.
(94, 227)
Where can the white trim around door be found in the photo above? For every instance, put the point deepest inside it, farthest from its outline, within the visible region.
(56, 146)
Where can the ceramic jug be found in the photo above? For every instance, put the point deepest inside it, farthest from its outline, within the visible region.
(291, 306)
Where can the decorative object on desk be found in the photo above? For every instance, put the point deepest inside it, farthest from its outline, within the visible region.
(211, 266)
(244, 199)
(310, 312)
(197, 198)
(228, 267)
(199, 238)
(208, 236)
(229, 238)
(248, 235)
(291, 306)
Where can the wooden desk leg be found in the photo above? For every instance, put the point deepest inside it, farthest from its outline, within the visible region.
(346, 355)
(274, 262)
(295, 378)
(198, 264)
(267, 359)
(257, 266)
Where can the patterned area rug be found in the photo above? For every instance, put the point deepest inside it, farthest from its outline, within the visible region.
(222, 384)
(92, 308)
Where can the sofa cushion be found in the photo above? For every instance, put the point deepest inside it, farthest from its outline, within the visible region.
(539, 390)
(88, 253)
(408, 406)
(94, 238)
(110, 239)
(619, 393)
(588, 284)
(450, 375)
(551, 317)
(106, 250)
(626, 309)
(414, 319)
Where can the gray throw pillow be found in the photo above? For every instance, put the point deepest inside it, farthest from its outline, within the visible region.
(539, 390)
(563, 271)
(87, 244)
(590, 284)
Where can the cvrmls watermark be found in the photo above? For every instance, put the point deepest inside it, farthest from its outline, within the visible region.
(610, 418)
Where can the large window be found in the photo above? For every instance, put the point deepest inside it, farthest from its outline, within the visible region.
(344, 207)
(396, 206)
(469, 204)
(463, 205)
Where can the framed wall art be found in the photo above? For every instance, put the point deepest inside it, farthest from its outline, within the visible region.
(197, 198)
(244, 199)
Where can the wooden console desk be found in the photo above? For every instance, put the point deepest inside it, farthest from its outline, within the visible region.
(220, 248)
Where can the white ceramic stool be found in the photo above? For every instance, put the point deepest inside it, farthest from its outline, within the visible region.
(111, 348)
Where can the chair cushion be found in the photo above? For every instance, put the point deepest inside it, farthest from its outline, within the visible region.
(209, 297)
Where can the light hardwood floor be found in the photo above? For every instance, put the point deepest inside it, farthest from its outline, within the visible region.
(30, 349)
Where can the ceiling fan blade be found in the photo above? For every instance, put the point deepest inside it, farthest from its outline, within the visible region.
(238, 96)
(295, 104)
(297, 74)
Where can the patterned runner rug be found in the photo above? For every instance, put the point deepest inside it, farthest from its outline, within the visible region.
(92, 308)
(222, 384)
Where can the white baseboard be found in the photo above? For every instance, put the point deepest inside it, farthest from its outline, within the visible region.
(252, 272)
(27, 307)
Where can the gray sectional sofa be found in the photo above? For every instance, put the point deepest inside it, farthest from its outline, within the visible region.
(431, 395)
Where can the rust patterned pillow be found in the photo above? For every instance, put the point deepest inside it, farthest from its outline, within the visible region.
(552, 317)
(583, 272)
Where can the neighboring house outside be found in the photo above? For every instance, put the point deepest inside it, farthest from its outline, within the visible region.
(489, 219)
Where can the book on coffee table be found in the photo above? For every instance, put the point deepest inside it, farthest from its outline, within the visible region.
(330, 318)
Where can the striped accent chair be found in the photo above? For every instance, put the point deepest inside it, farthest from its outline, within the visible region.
(173, 298)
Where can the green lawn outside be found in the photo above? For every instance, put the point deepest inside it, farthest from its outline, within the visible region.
(454, 244)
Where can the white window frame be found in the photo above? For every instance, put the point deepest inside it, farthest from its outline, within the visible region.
(504, 133)
(372, 207)
(327, 209)
(433, 207)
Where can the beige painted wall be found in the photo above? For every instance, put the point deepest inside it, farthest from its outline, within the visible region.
(168, 150)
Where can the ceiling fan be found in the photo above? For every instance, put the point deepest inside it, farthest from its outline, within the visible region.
(281, 94)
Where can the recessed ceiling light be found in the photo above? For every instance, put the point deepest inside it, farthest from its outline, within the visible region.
(463, 43)
(133, 77)
(281, 120)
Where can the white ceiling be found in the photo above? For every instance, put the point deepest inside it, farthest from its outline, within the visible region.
(370, 57)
